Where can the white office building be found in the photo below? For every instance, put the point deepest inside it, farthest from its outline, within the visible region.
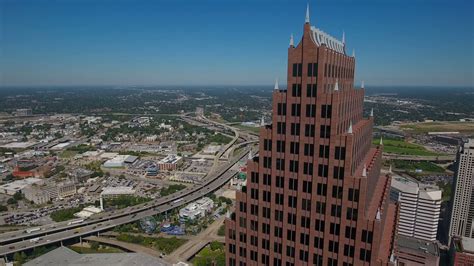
(196, 209)
(463, 199)
(420, 206)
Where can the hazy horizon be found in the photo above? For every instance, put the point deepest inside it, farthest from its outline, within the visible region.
(410, 43)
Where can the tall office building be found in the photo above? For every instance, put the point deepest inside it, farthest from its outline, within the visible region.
(463, 198)
(419, 207)
(315, 194)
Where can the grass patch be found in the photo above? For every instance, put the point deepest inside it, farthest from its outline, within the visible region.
(439, 126)
(219, 139)
(166, 245)
(214, 254)
(65, 214)
(411, 166)
(124, 201)
(171, 189)
(247, 128)
(404, 148)
(67, 154)
(221, 231)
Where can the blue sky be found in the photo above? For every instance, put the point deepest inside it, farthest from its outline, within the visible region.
(228, 42)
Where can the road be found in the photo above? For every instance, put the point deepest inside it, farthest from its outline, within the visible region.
(193, 246)
(20, 240)
(441, 158)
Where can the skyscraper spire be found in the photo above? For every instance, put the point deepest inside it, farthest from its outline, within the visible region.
(276, 85)
(381, 141)
(350, 128)
(262, 121)
(250, 155)
(362, 85)
(372, 112)
(353, 53)
(292, 41)
(336, 86)
(343, 37)
(364, 171)
(307, 14)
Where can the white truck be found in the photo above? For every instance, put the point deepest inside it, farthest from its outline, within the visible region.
(75, 222)
(31, 230)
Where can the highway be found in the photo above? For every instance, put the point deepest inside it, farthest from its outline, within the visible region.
(20, 240)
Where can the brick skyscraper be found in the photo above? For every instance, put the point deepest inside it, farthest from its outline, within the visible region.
(314, 194)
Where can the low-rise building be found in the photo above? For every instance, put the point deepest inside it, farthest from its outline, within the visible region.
(170, 162)
(411, 251)
(18, 185)
(120, 161)
(110, 192)
(61, 190)
(196, 209)
(462, 251)
(36, 194)
(66, 256)
(80, 174)
(87, 212)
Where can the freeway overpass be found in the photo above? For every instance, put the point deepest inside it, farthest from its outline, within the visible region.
(15, 241)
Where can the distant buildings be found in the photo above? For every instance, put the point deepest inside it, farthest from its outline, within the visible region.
(419, 207)
(170, 162)
(463, 196)
(23, 112)
(196, 209)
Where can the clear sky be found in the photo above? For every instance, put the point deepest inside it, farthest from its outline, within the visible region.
(228, 42)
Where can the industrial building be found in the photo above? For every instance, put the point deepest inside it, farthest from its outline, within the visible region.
(18, 185)
(419, 208)
(120, 161)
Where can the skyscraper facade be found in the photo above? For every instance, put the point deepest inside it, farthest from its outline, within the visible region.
(315, 194)
(463, 198)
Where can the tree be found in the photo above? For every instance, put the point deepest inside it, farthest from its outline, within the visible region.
(18, 196)
(94, 245)
(3, 208)
(19, 257)
(12, 201)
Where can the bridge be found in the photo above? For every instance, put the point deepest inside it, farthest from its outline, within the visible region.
(21, 240)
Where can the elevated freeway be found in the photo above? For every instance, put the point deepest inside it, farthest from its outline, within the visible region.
(15, 241)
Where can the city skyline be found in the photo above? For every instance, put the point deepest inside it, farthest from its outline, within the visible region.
(240, 43)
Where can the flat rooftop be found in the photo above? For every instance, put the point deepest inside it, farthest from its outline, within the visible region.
(418, 245)
(66, 256)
